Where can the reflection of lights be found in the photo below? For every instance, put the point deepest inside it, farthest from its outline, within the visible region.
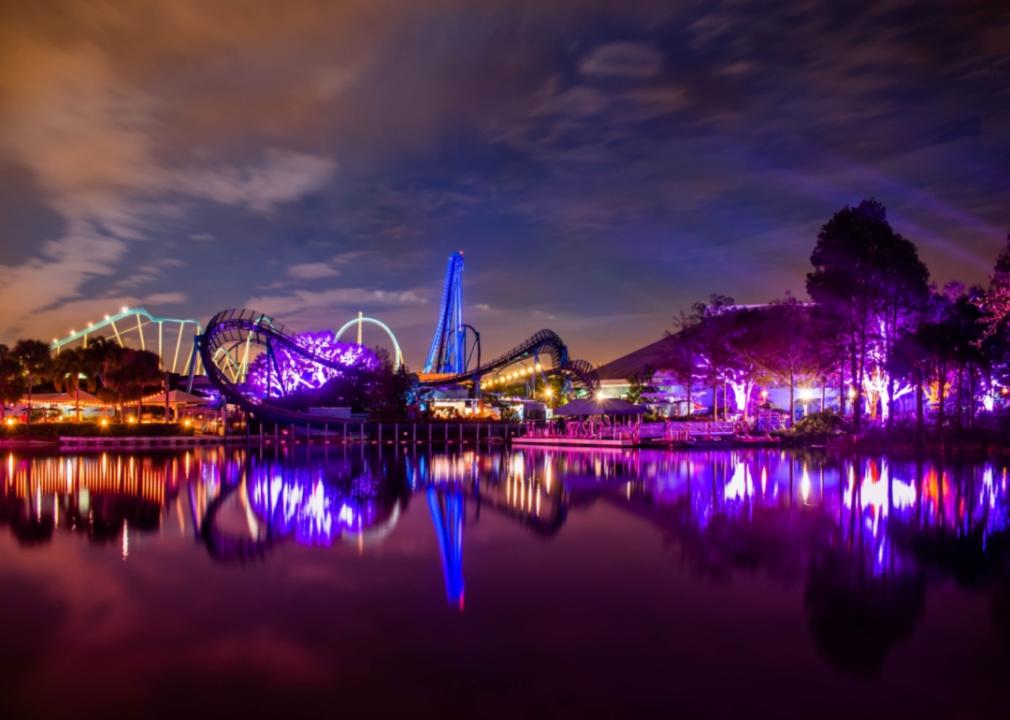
(126, 539)
(518, 467)
(873, 492)
(805, 485)
(314, 512)
(740, 484)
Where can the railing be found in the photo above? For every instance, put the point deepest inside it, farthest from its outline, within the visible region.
(604, 429)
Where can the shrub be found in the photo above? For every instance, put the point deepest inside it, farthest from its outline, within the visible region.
(819, 424)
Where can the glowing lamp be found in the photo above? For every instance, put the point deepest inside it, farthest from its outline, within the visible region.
(131, 420)
(548, 392)
(124, 309)
(187, 423)
(10, 422)
(104, 422)
(599, 395)
(807, 394)
(106, 316)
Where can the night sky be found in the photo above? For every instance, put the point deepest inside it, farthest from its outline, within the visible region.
(601, 164)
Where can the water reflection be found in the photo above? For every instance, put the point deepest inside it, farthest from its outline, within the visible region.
(863, 538)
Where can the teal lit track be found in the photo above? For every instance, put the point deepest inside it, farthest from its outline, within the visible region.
(173, 339)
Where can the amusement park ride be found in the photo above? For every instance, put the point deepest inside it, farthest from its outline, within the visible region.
(236, 340)
(137, 326)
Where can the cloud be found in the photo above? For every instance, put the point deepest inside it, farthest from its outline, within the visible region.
(345, 298)
(622, 59)
(311, 271)
(622, 139)
(165, 298)
(281, 177)
(86, 136)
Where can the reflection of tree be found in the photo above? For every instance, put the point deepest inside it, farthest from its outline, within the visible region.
(1001, 609)
(31, 530)
(856, 616)
(104, 522)
(101, 520)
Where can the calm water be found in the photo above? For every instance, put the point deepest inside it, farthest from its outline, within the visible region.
(317, 581)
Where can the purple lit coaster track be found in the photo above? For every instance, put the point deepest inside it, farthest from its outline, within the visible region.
(235, 340)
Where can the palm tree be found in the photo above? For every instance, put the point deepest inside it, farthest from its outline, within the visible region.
(12, 380)
(35, 361)
(68, 369)
(128, 373)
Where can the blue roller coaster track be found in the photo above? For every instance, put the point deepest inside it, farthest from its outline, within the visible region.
(448, 346)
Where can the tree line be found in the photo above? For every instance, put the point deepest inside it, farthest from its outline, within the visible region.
(115, 374)
(875, 331)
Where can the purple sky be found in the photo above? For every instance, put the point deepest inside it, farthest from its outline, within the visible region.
(602, 164)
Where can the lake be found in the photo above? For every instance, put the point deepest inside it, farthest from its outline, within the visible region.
(312, 580)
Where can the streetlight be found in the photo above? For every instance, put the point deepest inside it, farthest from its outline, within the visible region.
(807, 396)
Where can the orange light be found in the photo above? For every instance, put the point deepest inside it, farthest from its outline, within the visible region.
(10, 422)
(104, 422)
(131, 420)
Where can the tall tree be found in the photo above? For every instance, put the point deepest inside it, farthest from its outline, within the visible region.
(712, 352)
(12, 380)
(68, 369)
(793, 346)
(867, 274)
(130, 373)
(996, 303)
(35, 360)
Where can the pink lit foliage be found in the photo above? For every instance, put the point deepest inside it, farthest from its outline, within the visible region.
(294, 372)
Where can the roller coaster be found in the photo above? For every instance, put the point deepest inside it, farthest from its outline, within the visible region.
(138, 327)
(225, 348)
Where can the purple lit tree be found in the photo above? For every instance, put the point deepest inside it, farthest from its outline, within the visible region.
(289, 372)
